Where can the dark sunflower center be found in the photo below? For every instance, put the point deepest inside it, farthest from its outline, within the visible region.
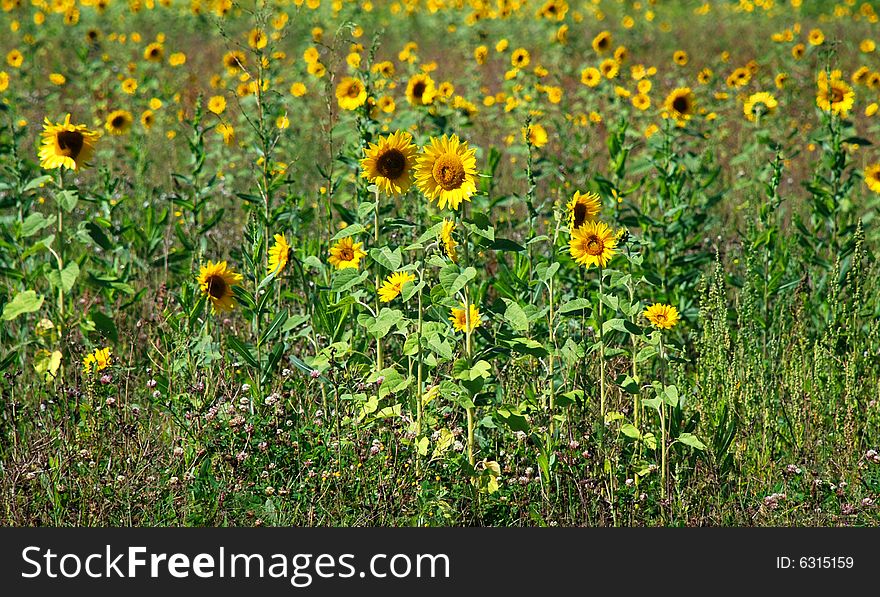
(603, 43)
(391, 164)
(661, 318)
(217, 287)
(70, 143)
(580, 214)
(117, 122)
(448, 172)
(419, 90)
(154, 53)
(353, 91)
(681, 104)
(836, 95)
(595, 246)
(346, 254)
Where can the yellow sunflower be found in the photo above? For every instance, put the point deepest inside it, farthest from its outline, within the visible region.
(591, 76)
(420, 90)
(602, 42)
(446, 171)
(346, 253)
(872, 177)
(148, 119)
(118, 122)
(97, 361)
(680, 104)
(759, 104)
(66, 145)
(535, 135)
(279, 253)
(154, 52)
(834, 95)
(393, 286)
(216, 281)
(461, 318)
(351, 93)
(520, 58)
(447, 241)
(234, 60)
(582, 209)
(662, 316)
(389, 163)
(217, 104)
(592, 244)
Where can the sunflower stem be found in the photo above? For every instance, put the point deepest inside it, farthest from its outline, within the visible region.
(599, 324)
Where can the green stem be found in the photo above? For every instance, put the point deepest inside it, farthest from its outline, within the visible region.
(600, 321)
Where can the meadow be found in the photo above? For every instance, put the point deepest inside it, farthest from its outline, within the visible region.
(439, 262)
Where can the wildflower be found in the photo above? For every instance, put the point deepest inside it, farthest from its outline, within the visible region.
(535, 135)
(461, 320)
(680, 104)
(66, 145)
(98, 360)
(217, 104)
(118, 122)
(393, 286)
(446, 170)
(582, 209)
(834, 95)
(602, 42)
(593, 243)
(279, 253)
(872, 177)
(447, 242)
(420, 90)
(346, 253)
(351, 93)
(662, 316)
(216, 281)
(389, 163)
(758, 105)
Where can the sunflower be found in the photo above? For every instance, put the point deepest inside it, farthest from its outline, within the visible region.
(118, 122)
(582, 209)
(66, 145)
(14, 58)
(217, 104)
(4, 80)
(257, 39)
(591, 76)
(351, 93)
(447, 241)
(609, 68)
(481, 53)
(520, 58)
(227, 132)
(680, 57)
(147, 119)
(872, 177)
(592, 244)
(388, 164)
(759, 104)
(420, 90)
(393, 286)
(154, 52)
(680, 103)
(641, 101)
(797, 51)
(740, 77)
(602, 42)
(834, 95)
(816, 37)
(216, 281)
(662, 316)
(234, 60)
(97, 361)
(446, 171)
(465, 321)
(346, 253)
(535, 135)
(279, 253)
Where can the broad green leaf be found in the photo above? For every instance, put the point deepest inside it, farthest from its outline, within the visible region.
(691, 440)
(24, 302)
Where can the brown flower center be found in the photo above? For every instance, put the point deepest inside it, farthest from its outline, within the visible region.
(118, 122)
(70, 143)
(836, 95)
(594, 245)
(580, 214)
(217, 287)
(354, 90)
(391, 164)
(448, 172)
(681, 104)
(346, 255)
(419, 90)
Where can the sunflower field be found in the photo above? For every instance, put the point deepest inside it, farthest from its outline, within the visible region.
(439, 262)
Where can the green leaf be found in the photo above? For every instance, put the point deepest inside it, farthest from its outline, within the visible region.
(628, 384)
(513, 419)
(516, 317)
(66, 278)
(577, 304)
(350, 230)
(104, 324)
(36, 182)
(452, 279)
(276, 325)
(387, 258)
(630, 430)
(67, 200)
(689, 439)
(34, 223)
(345, 279)
(245, 352)
(24, 302)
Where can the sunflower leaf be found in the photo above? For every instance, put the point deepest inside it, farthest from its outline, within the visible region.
(24, 302)
(245, 352)
(350, 230)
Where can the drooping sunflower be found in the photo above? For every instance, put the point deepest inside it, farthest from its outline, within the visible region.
(447, 241)
(279, 253)
(346, 253)
(872, 177)
(118, 122)
(834, 94)
(582, 209)
(216, 281)
(592, 244)
(759, 104)
(97, 361)
(66, 145)
(446, 171)
(351, 93)
(662, 316)
(602, 42)
(389, 163)
(420, 90)
(464, 319)
(393, 286)
(680, 104)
